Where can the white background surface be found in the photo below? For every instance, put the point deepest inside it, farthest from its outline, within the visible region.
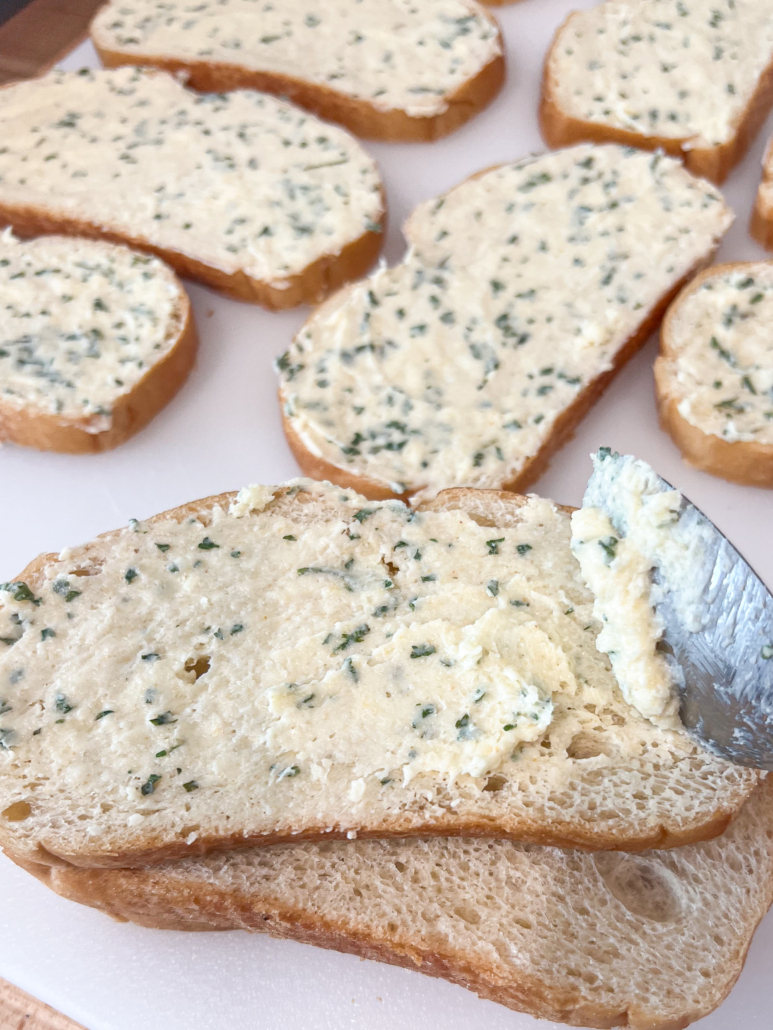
(222, 432)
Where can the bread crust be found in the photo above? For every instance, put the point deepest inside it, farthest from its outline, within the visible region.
(313, 284)
(317, 467)
(358, 116)
(131, 412)
(151, 897)
(740, 461)
(714, 163)
(761, 227)
(157, 846)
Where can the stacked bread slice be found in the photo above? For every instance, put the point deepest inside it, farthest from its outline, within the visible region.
(385, 69)
(299, 664)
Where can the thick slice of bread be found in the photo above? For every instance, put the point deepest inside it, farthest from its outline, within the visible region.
(94, 340)
(695, 79)
(385, 69)
(522, 293)
(310, 665)
(241, 191)
(650, 941)
(714, 376)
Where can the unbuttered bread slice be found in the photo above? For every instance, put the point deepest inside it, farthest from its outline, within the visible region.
(94, 340)
(523, 291)
(241, 191)
(695, 79)
(311, 665)
(650, 941)
(386, 69)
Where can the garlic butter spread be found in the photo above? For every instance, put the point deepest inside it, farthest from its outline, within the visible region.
(410, 55)
(629, 525)
(518, 290)
(80, 324)
(720, 354)
(274, 646)
(241, 181)
(679, 69)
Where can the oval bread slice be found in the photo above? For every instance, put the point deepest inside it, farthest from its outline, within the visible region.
(564, 936)
(522, 292)
(695, 79)
(94, 340)
(311, 665)
(241, 191)
(714, 375)
(385, 69)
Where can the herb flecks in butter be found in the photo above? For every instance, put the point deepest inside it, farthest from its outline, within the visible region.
(463, 401)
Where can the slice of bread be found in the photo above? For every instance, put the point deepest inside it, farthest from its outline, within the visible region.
(714, 375)
(311, 665)
(385, 69)
(241, 191)
(522, 292)
(94, 340)
(694, 79)
(761, 226)
(650, 941)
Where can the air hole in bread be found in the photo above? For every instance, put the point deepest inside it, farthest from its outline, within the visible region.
(18, 811)
(495, 782)
(586, 745)
(91, 570)
(468, 914)
(400, 867)
(645, 889)
(198, 666)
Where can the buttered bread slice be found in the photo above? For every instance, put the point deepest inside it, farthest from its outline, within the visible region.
(94, 340)
(522, 293)
(241, 191)
(564, 936)
(714, 376)
(695, 79)
(386, 69)
(300, 662)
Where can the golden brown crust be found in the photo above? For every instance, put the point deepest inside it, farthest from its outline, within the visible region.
(745, 462)
(761, 227)
(563, 429)
(317, 281)
(582, 836)
(358, 116)
(152, 899)
(131, 412)
(714, 163)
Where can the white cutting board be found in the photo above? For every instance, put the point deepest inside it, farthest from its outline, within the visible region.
(220, 433)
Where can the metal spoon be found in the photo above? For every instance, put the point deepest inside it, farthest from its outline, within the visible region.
(727, 665)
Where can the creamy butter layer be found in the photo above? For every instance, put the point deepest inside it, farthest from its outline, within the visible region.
(669, 68)
(410, 55)
(377, 640)
(81, 323)
(720, 355)
(240, 181)
(627, 528)
(518, 290)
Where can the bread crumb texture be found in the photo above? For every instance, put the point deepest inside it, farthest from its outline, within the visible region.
(319, 663)
(81, 323)
(675, 69)
(650, 941)
(407, 55)
(518, 290)
(241, 182)
(717, 359)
